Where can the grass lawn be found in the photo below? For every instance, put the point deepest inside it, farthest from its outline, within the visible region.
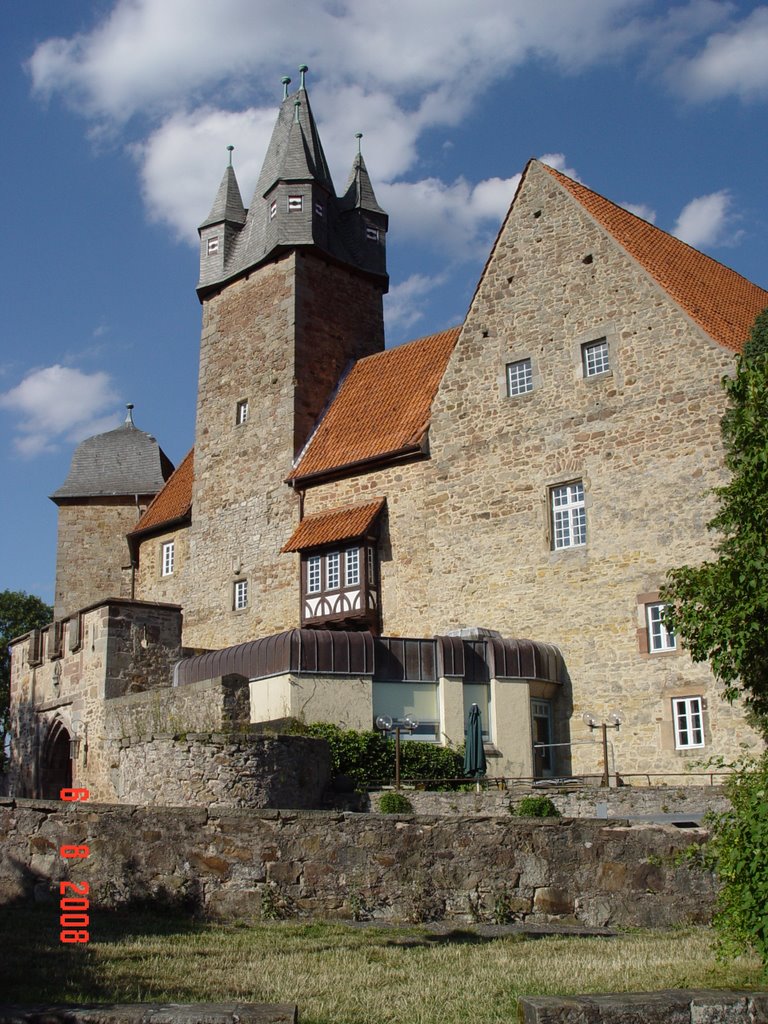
(340, 974)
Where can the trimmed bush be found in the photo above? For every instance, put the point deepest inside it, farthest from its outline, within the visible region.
(395, 803)
(535, 807)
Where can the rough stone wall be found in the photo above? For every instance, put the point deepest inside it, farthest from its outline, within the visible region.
(279, 339)
(217, 770)
(124, 647)
(92, 558)
(237, 863)
(179, 586)
(467, 538)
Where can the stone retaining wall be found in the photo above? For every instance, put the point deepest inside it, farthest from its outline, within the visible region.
(242, 864)
(683, 1006)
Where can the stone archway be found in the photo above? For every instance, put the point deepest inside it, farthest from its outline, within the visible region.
(56, 765)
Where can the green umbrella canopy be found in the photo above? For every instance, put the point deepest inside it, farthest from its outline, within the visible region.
(474, 755)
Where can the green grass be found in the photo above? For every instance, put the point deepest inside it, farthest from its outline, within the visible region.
(343, 975)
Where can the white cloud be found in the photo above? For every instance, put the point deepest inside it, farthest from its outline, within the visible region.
(641, 210)
(58, 402)
(732, 63)
(707, 221)
(402, 306)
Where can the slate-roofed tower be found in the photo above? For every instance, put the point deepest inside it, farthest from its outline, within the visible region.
(292, 292)
(111, 480)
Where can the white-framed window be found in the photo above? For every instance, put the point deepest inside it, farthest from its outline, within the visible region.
(519, 378)
(659, 637)
(687, 713)
(273, 209)
(594, 357)
(240, 595)
(167, 555)
(295, 204)
(314, 583)
(352, 567)
(372, 234)
(333, 571)
(569, 516)
(241, 413)
(213, 245)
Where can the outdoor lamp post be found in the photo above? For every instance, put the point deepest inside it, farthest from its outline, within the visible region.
(614, 722)
(407, 724)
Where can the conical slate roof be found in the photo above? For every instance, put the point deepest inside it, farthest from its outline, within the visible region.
(359, 193)
(120, 462)
(228, 204)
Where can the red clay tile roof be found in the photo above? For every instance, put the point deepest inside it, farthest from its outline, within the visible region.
(337, 524)
(382, 408)
(175, 499)
(720, 301)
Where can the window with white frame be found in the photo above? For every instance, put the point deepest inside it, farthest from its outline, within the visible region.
(241, 413)
(168, 553)
(594, 356)
(660, 638)
(687, 713)
(352, 567)
(333, 571)
(295, 204)
(273, 209)
(569, 516)
(314, 579)
(213, 245)
(240, 595)
(519, 378)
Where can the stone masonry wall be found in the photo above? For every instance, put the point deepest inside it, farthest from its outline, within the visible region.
(234, 863)
(179, 585)
(218, 770)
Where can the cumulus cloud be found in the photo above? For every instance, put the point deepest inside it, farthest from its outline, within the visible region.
(403, 306)
(59, 402)
(707, 221)
(731, 63)
(641, 210)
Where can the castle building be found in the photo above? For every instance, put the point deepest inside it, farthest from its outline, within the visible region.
(484, 515)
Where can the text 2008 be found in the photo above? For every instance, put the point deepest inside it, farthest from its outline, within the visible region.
(74, 895)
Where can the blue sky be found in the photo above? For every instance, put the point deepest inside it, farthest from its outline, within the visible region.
(117, 114)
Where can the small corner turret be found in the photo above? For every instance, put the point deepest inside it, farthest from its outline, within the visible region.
(221, 227)
(294, 206)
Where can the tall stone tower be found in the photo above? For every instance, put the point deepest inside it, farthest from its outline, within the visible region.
(112, 478)
(292, 292)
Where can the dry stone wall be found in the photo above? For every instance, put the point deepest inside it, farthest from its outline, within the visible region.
(242, 864)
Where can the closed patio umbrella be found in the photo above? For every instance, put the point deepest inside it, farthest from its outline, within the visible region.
(474, 755)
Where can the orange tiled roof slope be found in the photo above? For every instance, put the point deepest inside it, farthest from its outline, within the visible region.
(721, 301)
(382, 407)
(174, 500)
(335, 525)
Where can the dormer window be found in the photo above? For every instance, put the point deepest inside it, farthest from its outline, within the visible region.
(295, 204)
(213, 245)
(372, 234)
(273, 209)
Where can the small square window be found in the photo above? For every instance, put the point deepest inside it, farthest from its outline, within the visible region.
(167, 558)
(594, 356)
(295, 204)
(372, 234)
(687, 713)
(519, 378)
(569, 516)
(659, 637)
(240, 599)
(213, 245)
(273, 209)
(241, 414)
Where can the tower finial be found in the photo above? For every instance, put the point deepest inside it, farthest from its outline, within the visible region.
(229, 150)
(303, 70)
(296, 106)
(358, 136)
(286, 80)
(129, 417)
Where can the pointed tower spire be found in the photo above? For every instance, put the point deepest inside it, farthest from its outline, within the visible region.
(365, 222)
(220, 229)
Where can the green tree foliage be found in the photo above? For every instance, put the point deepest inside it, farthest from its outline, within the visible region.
(719, 610)
(737, 852)
(19, 612)
(369, 759)
(535, 807)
